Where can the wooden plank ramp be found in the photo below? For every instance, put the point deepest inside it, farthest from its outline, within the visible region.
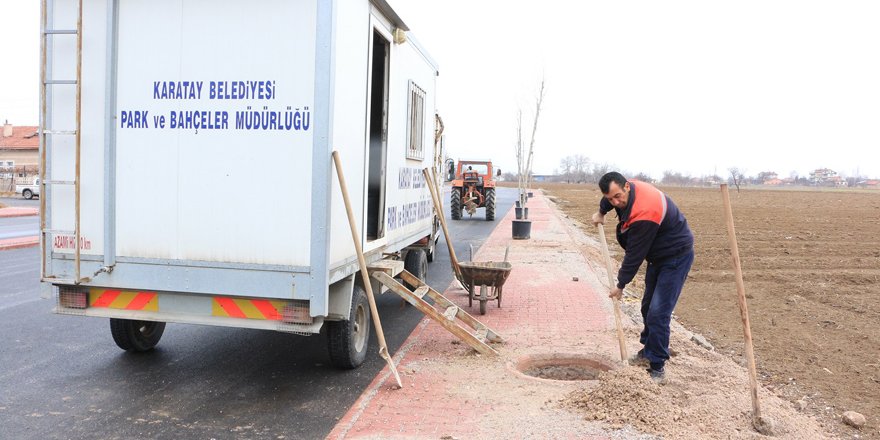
(444, 311)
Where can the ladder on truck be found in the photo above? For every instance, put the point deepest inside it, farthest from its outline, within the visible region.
(444, 311)
(47, 132)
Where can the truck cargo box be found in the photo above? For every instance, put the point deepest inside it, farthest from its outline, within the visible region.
(187, 156)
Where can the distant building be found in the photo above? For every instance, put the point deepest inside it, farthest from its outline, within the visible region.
(774, 182)
(826, 177)
(19, 151)
(544, 177)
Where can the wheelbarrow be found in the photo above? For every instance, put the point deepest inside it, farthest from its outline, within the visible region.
(484, 281)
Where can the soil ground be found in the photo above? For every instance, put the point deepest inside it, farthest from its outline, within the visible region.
(811, 265)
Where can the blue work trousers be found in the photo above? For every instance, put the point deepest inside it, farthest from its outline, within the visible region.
(663, 282)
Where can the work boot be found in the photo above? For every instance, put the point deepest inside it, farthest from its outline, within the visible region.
(658, 375)
(639, 359)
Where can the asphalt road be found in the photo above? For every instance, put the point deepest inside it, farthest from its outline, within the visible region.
(14, 227)
(63, 377)
(20, 202)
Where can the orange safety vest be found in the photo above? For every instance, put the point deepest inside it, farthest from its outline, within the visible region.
(649, 204)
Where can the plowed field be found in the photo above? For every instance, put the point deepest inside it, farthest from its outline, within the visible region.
(811, 265)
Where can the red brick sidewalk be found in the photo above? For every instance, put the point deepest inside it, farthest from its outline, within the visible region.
(18, 242)
(452, 392)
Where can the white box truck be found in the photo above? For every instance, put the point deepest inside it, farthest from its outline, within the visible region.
(187, 171)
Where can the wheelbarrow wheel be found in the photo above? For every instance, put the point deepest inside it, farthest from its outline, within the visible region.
(484, 298)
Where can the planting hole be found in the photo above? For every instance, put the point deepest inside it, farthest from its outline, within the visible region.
(561, 367)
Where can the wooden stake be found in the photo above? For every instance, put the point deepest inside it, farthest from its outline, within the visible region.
(618, 321)
(365, 276)
(743, 307)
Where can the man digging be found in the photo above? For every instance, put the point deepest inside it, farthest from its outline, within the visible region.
(650, 228)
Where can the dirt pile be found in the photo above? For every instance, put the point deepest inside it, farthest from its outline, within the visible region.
(705, 395)
(624, 397)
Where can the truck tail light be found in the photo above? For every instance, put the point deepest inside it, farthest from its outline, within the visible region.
(73, 297)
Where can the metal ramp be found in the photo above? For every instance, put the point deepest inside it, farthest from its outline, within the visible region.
(444, 311)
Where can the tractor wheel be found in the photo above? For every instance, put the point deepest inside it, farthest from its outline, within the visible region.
(455, 204)
(349, 340)
(490, 204)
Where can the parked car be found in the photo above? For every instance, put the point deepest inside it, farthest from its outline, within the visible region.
(29, 191)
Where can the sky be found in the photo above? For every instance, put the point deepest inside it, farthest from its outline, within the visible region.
(695, 87)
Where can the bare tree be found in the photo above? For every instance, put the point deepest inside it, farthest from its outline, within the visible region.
(737, 175)
(523, 159)
(581, 165)
(675, 178)
(764, 176)
(566, 165)
(597, 171)
(642, 177)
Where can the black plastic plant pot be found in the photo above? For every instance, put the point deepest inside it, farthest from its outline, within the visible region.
(521, 213)
(522, 229)
(518, 204)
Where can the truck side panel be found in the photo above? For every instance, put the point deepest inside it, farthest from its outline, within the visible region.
(407, 208)
(214, 138)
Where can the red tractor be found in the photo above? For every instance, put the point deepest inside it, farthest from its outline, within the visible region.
(472, 188)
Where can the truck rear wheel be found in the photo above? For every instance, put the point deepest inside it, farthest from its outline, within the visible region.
(490, 204)
(455, 204)
(416, 263)
(348, 340)
(28, 194)
(131, 335)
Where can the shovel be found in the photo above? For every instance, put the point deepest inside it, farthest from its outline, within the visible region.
(624, 356)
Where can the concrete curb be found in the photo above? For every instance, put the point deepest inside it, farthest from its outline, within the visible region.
(18, 212)
(18, 243)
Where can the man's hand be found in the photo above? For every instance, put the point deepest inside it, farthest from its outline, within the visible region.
(598, 219)
(616, 293)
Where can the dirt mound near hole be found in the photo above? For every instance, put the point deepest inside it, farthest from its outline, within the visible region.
(706, 395)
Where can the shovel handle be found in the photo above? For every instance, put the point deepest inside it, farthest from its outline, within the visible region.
(624, 355)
